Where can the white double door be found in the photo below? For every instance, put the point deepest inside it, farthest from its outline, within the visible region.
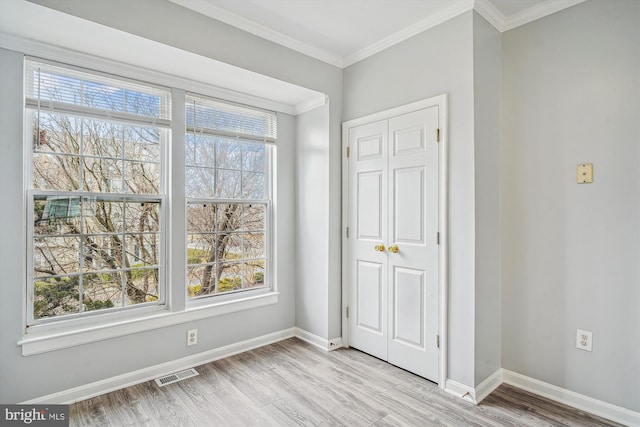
(393, 242)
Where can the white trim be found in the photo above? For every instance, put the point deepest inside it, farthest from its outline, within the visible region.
(573, 399)
(424, 24)
(311, 104)
(252, 27)
(536, 12)
(443, 223)
(488, 11)
(97, 388)
(460, 390)
(443, 199)
(315, 340)
(54, 340)
(486, 387)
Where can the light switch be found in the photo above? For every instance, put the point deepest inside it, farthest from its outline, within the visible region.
(584, 173)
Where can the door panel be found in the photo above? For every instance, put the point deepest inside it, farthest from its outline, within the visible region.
(368, 214)
(408, 307)
(414, 200)
(369, 296)
(408, 205)
(370, 205)
(408, 140)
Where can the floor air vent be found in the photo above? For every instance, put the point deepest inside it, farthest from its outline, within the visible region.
(178, 376)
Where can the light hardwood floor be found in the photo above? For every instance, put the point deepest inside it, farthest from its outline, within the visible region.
(293, 383)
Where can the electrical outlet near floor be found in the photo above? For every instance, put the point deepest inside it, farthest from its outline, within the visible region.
(584, 340)
(192, 337)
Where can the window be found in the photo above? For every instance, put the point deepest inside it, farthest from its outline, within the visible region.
(96, 192)
(101, 189)
(228, 187)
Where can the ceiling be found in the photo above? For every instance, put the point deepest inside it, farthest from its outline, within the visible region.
(342, 32)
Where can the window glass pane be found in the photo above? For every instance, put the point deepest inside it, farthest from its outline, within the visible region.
(54, 256)
(56, 172)
(142, 144)
(142, 178)
(200, 150)
(142, 285)
(200, 182)
(102, 175)
(253, 245)
(101, 290)
(102, 216)
(230, 239)
(254, 217)
(228, 184)
(228, 155)
(202, 279)
(253, 158)
(56, 296)
(55, 215)
(142, 216)
(254, 274)
(141, 249)
(230, 247)
(201, 217)
(102, 139)
(101, 252)
(54, 133)
(253, 185)
(230, 277)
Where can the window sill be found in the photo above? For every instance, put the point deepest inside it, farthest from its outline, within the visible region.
(51, 340)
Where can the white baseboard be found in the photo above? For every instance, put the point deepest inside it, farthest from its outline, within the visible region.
(326, 345)
(460, 390)
(97, 388)
(570, 398)
(487, 386)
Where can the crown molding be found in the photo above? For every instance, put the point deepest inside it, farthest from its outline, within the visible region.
(484, 7)
(536, 12)
(488, 11)
(410, 31)
(212, 11)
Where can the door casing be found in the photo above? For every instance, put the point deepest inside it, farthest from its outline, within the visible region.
(443, 215)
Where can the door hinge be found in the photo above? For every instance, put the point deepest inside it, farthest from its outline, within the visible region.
(347, 232)
(438, 341)
(347, 312)
(348, 151)
(438, 238)
(438, 135)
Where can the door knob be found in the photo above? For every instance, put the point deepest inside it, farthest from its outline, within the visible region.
(394, 249)
(379, 248)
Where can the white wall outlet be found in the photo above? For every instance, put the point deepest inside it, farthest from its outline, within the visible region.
(584, 340)
(192, 337)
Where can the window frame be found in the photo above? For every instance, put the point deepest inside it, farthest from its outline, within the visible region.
(164, 126)
(270, 147)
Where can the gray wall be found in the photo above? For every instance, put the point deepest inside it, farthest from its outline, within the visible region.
(312, 224)
(571, 94)
(486, 101)
(23, 378)
(434, 62)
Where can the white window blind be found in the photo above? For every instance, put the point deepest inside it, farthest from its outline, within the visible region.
(225, 120)
(66, 90)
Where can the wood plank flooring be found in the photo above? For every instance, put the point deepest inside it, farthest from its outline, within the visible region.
(292, 383)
